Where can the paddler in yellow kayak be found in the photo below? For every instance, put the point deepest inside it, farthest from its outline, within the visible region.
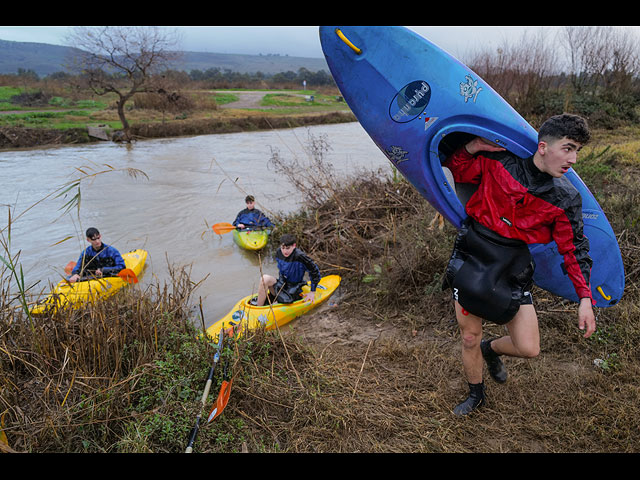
(98, 260)
(293, 263)
(251, 217)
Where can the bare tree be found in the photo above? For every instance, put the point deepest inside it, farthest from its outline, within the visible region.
(601, 57)
(520, 71)
(123, 60)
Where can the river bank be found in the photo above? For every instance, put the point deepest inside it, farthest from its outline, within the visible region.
(378, 372)
(20, 137)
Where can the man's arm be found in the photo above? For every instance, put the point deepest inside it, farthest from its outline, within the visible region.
(463, 163)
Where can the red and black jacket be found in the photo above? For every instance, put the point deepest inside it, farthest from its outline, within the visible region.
(516, 200)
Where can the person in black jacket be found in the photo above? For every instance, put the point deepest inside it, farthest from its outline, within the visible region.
(293, 263)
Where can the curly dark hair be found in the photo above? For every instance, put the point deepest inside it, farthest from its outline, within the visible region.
(565, 125)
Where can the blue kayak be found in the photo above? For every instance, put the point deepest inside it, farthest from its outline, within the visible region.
(417, 102)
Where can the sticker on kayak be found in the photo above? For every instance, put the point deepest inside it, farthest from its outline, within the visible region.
(410, 101)
(396, 154)
(470, 89)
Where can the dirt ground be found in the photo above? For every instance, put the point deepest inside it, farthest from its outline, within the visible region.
(245, 100)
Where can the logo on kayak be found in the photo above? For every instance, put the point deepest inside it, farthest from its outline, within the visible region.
(396, 154)
(410, 101)
(428, 121)
(469, 89)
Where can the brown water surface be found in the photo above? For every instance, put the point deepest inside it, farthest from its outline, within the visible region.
(193, 182)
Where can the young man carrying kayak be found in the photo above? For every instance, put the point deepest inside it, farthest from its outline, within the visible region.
(251, 216)
(518, 202)
(293, 263)
(98, 260)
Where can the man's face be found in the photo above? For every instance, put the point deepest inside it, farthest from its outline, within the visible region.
(287, 249)
(250, 205)
(95, 241)
(558, 156)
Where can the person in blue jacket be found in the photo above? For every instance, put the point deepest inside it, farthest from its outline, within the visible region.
(98, 260)
(293, 263)
(251, 216)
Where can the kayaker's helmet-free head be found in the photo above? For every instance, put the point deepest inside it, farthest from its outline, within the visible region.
(287, 240)
(287, 244)
(92, 233)
(94, 238)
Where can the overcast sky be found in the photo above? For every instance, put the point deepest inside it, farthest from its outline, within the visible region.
(299, 41)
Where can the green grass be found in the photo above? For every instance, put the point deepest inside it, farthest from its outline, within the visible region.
(225, 98)
(45, 119)
(7, 92)
(293, 99)
(62, 112)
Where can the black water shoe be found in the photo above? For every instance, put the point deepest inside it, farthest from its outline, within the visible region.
(497, 369)
(474, 401)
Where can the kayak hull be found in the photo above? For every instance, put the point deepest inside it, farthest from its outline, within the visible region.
(244, 316)
(251, 239)
(74, 295)
(418, 103)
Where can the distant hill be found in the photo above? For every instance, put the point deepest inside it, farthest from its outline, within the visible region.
(42, 58)
(45, 59)
(267, 64)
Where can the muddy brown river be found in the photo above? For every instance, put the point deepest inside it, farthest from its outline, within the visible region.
(193, 182)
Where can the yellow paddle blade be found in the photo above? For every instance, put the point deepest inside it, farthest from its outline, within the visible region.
(222, 228)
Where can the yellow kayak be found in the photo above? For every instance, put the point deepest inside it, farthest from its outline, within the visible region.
(245, 316)
(78, 293)
(251, 239)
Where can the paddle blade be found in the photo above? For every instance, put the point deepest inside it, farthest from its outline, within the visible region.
(128, 275)
(222, 228)
(3, 436)
(221, 402)
(69, 268)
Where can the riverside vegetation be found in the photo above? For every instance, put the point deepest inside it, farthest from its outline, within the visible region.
(378, 372)
(50, 112)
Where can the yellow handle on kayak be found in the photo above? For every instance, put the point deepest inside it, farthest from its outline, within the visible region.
(348, 42)
(606, 297)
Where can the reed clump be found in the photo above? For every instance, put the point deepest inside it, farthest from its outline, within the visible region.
(75, 380)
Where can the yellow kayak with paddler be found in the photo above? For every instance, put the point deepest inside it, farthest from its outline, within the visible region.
(251, 239)
(66, 294)
(244, 316)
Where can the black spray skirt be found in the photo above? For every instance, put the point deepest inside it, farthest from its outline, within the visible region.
(490, 275)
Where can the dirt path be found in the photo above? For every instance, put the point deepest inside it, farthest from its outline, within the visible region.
(246, 99)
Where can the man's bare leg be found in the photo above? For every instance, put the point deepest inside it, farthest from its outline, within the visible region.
(472, 361)
(266, 282)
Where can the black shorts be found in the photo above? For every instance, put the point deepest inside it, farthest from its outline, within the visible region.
(285, 292)
(490, 275)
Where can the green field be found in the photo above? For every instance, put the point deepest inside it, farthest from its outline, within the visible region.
(63, 112)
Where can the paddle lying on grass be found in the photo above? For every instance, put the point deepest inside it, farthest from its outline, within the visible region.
(223, 396)
(216, 358)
